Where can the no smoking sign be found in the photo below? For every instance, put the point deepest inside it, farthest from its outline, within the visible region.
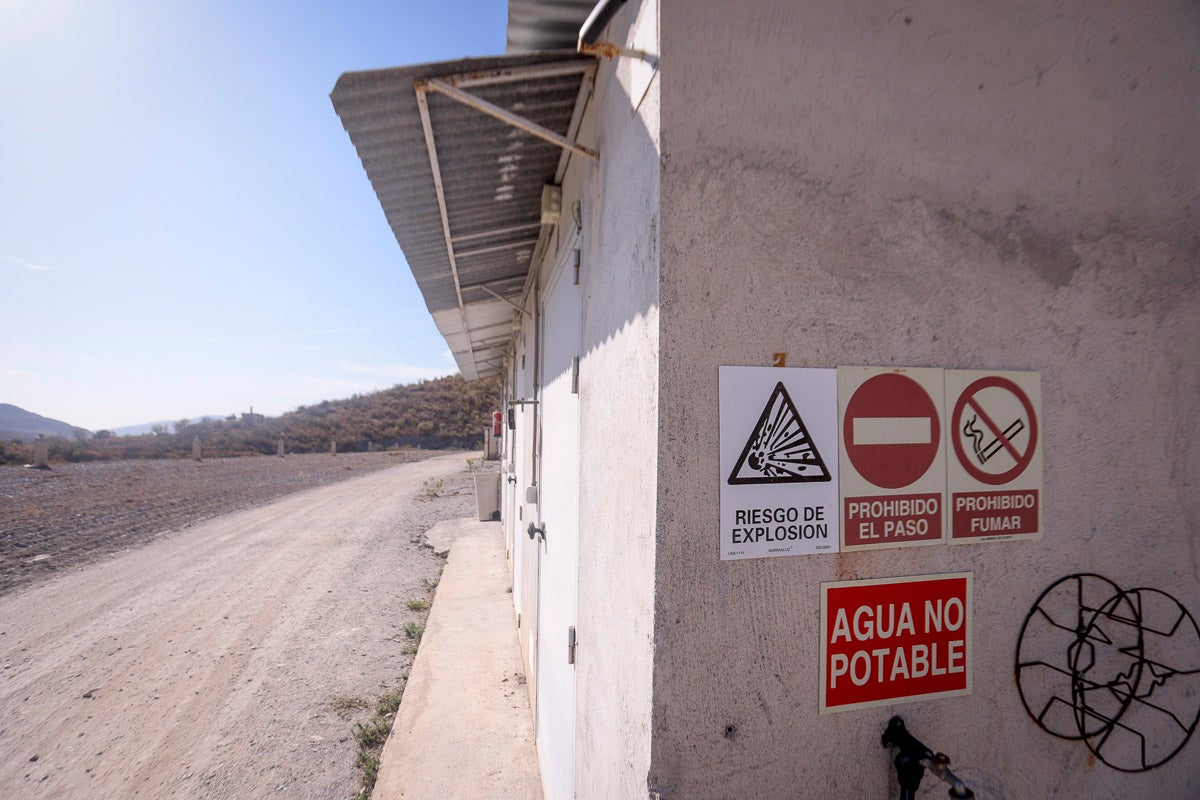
(994, 476)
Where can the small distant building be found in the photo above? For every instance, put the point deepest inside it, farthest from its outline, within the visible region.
(821, 184)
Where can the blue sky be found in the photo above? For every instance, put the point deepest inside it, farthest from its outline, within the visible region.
(185, 228)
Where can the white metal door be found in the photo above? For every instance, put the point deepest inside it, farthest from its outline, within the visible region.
(528, 552)
(558, 497)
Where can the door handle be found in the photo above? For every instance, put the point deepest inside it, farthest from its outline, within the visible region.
(537, 531)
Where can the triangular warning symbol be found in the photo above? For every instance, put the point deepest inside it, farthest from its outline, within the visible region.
(780, 449)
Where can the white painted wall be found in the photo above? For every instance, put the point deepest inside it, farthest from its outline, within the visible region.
(558, 548)
(1004, 185)
(619, 416)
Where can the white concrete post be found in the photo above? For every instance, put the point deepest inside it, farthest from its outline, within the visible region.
(195, 448)
(41, 453)
(279, 450)
(333, 448)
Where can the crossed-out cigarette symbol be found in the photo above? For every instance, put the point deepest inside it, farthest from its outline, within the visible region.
(984, 452)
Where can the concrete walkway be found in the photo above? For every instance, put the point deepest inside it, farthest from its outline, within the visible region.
(464, 729)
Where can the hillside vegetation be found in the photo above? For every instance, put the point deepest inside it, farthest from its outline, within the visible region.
(435, 414)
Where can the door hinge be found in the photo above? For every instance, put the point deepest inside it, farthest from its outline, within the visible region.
(578, 260)
(571, 645)
(574, 374)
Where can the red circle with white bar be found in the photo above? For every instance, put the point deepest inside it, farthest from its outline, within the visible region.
(891, 430)
(988, 439)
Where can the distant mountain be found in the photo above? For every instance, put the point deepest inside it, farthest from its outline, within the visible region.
(167, 425)
(19, 425)
(435, 414)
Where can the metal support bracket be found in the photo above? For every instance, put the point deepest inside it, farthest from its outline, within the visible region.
(449, 85)
(435, 168)
(498, 296)
(425, 85)
(611, 50)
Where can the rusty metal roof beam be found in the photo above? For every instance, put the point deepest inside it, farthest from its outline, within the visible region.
(488, 77)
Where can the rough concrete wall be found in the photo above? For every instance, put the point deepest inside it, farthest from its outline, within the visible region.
(1007, 185)
(619, 422)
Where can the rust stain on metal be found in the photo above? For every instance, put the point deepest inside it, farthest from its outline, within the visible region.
(467, 77)
(606, 49)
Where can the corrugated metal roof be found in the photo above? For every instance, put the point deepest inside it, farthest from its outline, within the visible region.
(537, 25)
(492, 176)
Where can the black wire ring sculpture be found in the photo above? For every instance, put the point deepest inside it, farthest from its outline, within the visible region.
(1116, 668)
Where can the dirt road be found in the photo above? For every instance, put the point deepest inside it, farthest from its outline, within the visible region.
(214, 663)
(55, 520)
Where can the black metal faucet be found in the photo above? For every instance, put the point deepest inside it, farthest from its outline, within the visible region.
(914, 758)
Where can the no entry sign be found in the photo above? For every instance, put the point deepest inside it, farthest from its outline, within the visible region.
(894, 640)
(893, 463)
(994, 476)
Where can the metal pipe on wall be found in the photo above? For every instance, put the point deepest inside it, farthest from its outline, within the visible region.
(597, 21)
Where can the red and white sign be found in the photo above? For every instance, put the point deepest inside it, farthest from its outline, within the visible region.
(893, 461)
(893, 640)
(994, 477)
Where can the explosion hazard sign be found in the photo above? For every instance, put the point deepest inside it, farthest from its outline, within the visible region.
(892, 456)
(779, 490)
(995, 475)
(780, 449)
(893, 640)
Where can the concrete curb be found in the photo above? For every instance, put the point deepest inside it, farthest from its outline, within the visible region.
(442, 536)
(464, 729)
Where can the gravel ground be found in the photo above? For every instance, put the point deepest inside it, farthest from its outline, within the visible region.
(229, 660)
(75, 514)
